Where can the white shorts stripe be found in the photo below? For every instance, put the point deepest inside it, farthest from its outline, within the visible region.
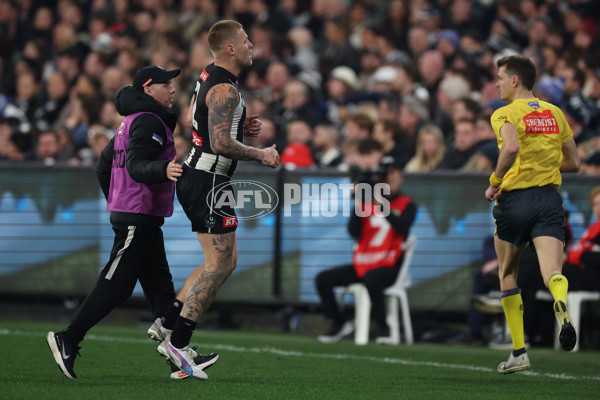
(115, 262)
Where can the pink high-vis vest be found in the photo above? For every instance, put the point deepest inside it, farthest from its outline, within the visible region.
(127, 195)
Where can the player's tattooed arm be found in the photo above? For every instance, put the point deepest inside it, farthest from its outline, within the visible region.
(222, 101)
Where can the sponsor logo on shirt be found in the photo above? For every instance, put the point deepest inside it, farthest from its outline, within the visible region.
(196, 139)
(541, 122)
(204, 76)
(534, 104)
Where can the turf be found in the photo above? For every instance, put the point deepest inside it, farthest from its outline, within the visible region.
(118, 362)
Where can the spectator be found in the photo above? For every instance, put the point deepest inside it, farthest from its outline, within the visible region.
(47, 148)
(297, 153)
(591, 164)
(395, 146)
(465, 146)
(340, 88)
(337, 49)
(582, 267)
(358, 126)
(450, 90)
(327, 151)
(430, 150)
(413, 115)
(54, 99)
(297, 104)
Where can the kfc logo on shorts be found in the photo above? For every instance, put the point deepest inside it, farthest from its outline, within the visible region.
(229, 222)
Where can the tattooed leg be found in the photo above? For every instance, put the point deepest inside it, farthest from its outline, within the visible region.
(220, 255)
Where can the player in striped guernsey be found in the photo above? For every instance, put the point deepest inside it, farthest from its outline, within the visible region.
(219, 123)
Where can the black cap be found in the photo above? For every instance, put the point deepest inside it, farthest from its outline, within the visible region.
(147, 76)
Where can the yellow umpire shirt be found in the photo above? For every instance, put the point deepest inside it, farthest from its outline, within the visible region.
(542, 129)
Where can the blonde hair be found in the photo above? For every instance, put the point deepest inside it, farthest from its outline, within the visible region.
(419, 163)
(221, 33)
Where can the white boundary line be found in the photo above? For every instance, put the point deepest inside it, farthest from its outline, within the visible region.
(281, 352)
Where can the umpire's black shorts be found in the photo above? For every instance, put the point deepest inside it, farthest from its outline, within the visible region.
(522, 215)
(207, 200)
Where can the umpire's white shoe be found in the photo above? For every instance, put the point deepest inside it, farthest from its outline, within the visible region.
(182, 359)
(514, 364)
(157, 331)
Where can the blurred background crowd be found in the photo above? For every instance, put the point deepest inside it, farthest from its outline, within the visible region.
(332, 79)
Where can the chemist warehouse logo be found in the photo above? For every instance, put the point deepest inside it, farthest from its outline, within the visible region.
(251, 199)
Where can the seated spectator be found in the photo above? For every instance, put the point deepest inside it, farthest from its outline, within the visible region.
(376, 273)
(486, 157)
(582, 267)
(465, 145)
(591, 165)
(358, 126)
(48, 148)
(430, 150)
(297, 153)
(395, 146)
(327, 150)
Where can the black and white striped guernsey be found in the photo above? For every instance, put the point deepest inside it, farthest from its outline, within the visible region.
(201, 156)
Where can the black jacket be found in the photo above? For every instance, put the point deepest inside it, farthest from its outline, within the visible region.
(142, 150)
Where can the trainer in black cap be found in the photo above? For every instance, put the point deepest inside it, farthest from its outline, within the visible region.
(147, 76)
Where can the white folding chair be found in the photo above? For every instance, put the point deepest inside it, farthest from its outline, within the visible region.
(394, 294)
(574, 300)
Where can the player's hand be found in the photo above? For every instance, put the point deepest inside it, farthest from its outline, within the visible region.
(492, 192)
(270, 157)
(174, 170)
(252, 125)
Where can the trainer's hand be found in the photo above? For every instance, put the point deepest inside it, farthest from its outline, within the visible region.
(492, 192)
(270, 157)
(252, 125)
(174, 170)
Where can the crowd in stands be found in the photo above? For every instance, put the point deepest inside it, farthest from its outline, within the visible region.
(418, 76)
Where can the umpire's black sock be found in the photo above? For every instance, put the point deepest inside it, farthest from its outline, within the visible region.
(171, 315)
(182, 334)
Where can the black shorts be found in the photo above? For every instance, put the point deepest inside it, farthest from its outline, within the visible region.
(522, 215)
(208, 201)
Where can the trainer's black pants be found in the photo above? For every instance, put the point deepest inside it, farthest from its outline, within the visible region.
(138, 253)
(376, 281)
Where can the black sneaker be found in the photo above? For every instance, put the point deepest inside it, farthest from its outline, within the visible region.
(567, 336)
(63, 352)
(204, 361)
(379, 332)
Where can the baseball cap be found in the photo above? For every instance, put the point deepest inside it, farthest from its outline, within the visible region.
(346, 75)
(150, 75)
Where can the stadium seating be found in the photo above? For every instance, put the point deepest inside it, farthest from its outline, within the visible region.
(394, 294)
(574, 300)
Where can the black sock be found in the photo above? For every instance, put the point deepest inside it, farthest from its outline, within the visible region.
(517, 353)
(182, 333)
(171, 315)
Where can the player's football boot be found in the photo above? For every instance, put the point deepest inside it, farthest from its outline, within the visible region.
(204, 361)
(157, 331)
(182, 358)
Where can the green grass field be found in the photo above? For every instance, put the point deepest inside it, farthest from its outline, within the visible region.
(119, 362)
